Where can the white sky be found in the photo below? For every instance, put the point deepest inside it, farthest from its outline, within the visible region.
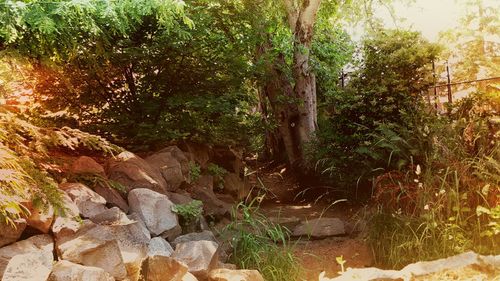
(427, 16)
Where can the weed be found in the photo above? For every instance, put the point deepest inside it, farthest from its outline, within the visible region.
(259, 244)
(194, 171)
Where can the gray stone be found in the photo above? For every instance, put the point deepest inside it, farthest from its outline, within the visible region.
(89, 203)
(154, 209)
(180, 156)
(178, 198)
(134, 172)
(197, 255)
(138, 229)
(195, 236)
(68, 271)
(40, 245)
(159, 247)
(113, 216)
(11, 233)
(320, 227)
(70, 221)
(31, 266)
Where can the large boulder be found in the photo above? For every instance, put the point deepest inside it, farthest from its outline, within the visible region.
(205, 181)
(235, 186)
(320, 228)
(180, 156)
(112, 197)
(68, 271)
(223, 274)
(466, 266)
(162, 268)
(87, 165)
(138, 229)
(154, 209)
(169, 167)
(198, 256)
(134, 172)
(40, 247)
(10, 233)
(229, 158)
(159, 247)
(89, 202)
(31, 266)
(199, 153)
(40, 218)
(111, 247)
(69, 222)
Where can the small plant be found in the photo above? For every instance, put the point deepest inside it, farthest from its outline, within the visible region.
(92, 180)
(218, 173)
(189, 212)
(259, 244)
(340, 260)
(194, 171)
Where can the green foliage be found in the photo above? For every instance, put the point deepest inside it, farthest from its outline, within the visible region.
(194, 171)
(218, 173)
(387, 89)
(446, 201)
(259, 244)
(189, 212)
(92, 180)
(25, 174)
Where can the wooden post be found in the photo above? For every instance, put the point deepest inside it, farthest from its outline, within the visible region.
(450, 98)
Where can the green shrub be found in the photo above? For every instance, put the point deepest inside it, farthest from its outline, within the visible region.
(194, 171)
(189, 212)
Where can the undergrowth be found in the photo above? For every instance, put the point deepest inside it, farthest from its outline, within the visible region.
(259, 244)
(444, 198)
(25, 163)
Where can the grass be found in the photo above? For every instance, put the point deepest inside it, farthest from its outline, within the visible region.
(259, 244)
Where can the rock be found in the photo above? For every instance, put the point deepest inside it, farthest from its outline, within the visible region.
(197, 255)
(180, 156)
(112, 197)
(70, 222)
(223, 274)
(159, 247)
(139, 229)
(482, 267)
(212, 206)
(319, 228)
(134, 172)
(235, 186)
(229, 158)
(40, 246)
(154, 209)
(200, 153)
(89, 203)
(111, 247)
(113, 216)
(31, 266)
(87, 165)
(11, 233)
(162, 268)
(171, 234)
(189, 277)
(178, 198)
(40, 219)
(195, 236)
(288, 222)
(205, 181)
(169, 167)
(68, 271)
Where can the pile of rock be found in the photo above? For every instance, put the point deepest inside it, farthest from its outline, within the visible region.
(106, 234)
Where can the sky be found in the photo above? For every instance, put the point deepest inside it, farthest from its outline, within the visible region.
(427, 16)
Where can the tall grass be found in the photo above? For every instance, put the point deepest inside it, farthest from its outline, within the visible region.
(448, 201)
(259, 244)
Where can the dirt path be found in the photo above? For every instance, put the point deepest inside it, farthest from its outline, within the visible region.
(319, 255)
